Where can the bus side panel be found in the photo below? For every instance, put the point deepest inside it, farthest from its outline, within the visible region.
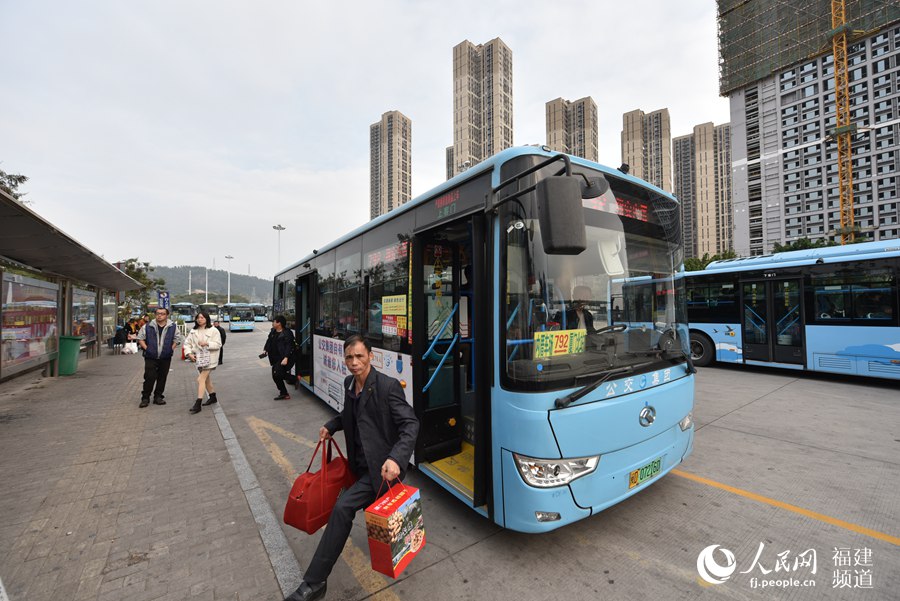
(726, 338)
(851, 350)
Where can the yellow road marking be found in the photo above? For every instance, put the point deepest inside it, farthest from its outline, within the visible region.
(805, 512)
(355, 559)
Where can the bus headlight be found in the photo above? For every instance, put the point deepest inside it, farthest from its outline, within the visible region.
(687, 421)
(547, 473)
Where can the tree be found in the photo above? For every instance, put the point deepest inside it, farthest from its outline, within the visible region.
(695, 264)
(9, 183)
(139, 299)
(802, 244)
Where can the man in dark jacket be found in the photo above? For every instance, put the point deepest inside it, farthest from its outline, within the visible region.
(158, 338)
(578, 317)
(380, 429)
(280, 350)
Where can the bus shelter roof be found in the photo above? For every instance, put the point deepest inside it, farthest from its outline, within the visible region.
(29, 239)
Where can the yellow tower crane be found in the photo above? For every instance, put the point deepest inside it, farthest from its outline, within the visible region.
(845, 129)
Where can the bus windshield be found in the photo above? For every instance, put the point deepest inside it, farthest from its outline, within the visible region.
(242, 314)
(617, 305)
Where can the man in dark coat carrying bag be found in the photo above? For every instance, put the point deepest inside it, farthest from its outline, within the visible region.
(380, 429)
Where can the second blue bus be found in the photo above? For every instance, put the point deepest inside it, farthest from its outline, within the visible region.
(831, 309)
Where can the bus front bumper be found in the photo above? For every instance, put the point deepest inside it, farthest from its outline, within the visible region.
(534, 510)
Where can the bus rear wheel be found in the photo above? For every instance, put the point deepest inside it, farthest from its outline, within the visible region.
(701, 349)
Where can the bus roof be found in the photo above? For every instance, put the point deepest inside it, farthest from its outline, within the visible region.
(794, 258)
(493, 163)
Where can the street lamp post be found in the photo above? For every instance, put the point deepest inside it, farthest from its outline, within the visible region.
(279, 228)
(229, 258)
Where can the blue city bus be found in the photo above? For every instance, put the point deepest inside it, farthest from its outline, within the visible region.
(225, 311)
(184, 312)
(831, 309)
(241, 318)
(259, 311)
(212, 309)
(463, 292)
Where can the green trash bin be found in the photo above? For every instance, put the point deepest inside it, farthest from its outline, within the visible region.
(69, 350)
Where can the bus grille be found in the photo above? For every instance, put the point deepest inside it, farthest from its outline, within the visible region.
(833, 362)
(880, 367)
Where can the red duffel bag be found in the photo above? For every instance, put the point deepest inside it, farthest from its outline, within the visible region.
(314, 494)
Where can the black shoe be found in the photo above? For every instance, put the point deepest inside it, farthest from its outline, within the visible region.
(308, 592)
(212, 399)
(159, 400)
(196, 407)
(144, 402)
(282, 397)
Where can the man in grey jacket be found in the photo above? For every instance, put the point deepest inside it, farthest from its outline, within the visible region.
(158, 338)
(380, 429)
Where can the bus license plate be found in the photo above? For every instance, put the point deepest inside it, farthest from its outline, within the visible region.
(639, 476)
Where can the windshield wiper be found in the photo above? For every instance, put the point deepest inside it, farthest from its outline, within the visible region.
(659, 353)
(565, 401)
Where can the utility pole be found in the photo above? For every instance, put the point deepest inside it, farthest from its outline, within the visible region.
(279, 228)
(206, 287)
(229, 258)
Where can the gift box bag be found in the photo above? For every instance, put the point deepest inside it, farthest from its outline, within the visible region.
(396, 529)
(314, 494)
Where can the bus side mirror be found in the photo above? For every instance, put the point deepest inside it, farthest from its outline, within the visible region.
(561, 215)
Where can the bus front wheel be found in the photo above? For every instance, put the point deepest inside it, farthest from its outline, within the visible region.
(702, 352)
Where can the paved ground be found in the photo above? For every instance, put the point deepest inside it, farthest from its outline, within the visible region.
(102, 500)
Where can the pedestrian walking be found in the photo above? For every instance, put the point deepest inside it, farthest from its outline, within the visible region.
(280, 350)
(380, 430)
(202, 347)
(158, 338)
(223, 335)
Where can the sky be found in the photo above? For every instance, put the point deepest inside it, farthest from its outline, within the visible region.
(179, 132)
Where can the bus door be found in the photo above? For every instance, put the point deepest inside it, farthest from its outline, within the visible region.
(305, 299)
(772, 321)
(445, 285)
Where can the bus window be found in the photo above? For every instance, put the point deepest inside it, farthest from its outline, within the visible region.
(348, 277)
(325, 317)
(387, 270)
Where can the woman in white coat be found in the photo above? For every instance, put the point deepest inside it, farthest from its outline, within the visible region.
(203, 343)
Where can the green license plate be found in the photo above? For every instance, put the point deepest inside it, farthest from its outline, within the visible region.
(641, 475)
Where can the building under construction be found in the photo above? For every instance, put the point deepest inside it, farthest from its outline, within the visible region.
(776, 65)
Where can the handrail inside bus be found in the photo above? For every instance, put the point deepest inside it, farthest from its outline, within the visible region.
(440, 332)
(301, 330)
(512, 317)
(441, 362)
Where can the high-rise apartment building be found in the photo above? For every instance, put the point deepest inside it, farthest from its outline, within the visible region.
(702, 162)
(777, 70)
(572, 127)
(482, 103)
(390, 163)
(647, 146)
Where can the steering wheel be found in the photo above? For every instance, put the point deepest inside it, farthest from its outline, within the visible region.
(616, 327)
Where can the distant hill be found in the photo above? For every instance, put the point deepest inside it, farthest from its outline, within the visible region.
(253, 289)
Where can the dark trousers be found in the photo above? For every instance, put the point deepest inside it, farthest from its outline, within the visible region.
(156, 371)
(280, 373)
(359, 496)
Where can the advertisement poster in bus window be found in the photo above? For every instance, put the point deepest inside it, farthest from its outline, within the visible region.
(393, 315)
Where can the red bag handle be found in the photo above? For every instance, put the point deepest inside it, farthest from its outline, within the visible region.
(325, 450)
(383, 482)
